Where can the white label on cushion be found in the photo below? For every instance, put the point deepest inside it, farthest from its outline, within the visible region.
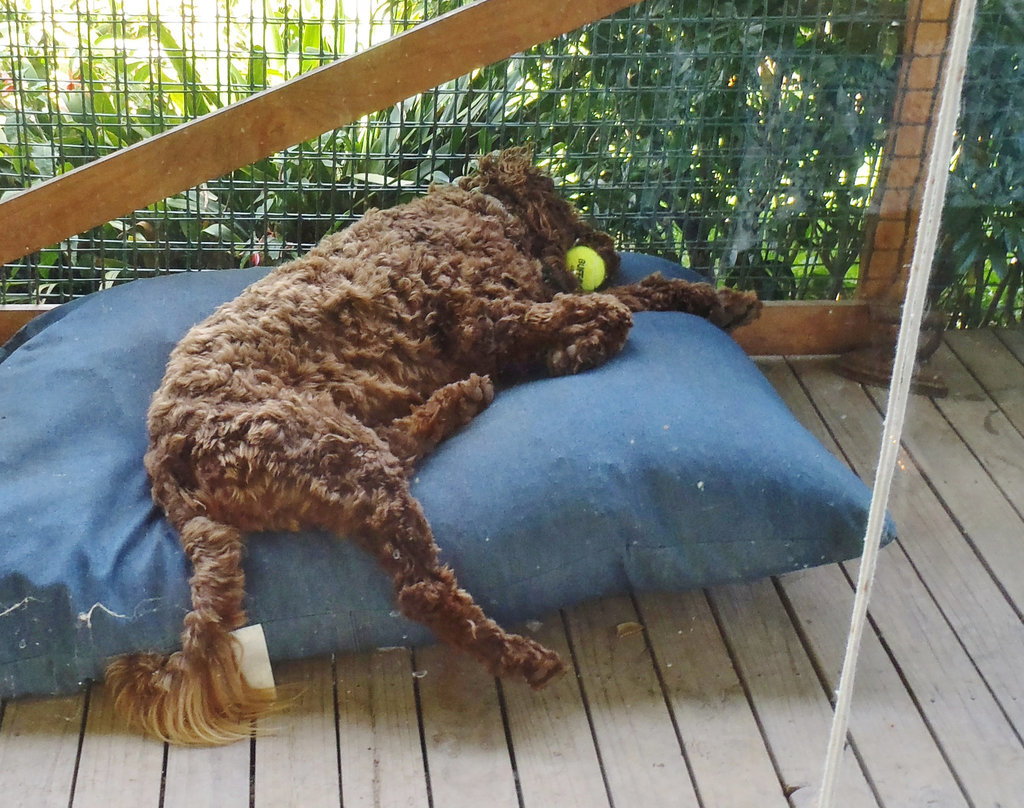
(254, 659)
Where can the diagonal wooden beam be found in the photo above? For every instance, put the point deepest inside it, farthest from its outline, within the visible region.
(305, 107)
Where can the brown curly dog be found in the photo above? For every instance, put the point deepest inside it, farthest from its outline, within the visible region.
(305, 402)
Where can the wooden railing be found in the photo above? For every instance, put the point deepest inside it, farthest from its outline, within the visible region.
(338, 94)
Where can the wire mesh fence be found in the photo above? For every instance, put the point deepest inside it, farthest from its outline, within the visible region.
(741, 138)
(977, 274)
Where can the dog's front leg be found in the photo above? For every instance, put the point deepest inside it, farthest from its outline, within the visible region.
(448, 409)
(726, 308)
(570, 332)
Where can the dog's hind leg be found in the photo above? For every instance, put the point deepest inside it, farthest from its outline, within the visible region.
(393, 528)
(347, 480)
(309, 464)
(448, 409)
(429, 593)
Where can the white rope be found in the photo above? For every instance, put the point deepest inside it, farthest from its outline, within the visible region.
(903, 368)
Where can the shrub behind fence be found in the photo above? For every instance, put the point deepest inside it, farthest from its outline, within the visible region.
(740, 138)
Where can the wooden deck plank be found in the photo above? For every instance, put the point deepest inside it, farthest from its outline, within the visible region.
(742, 689)
(1013, 339)
(555, 755)
(297, 749)
(996, 360)
(38, 751)
(640, 752)
(117, 768)
(463, 731)
(905, 764)
(378, 729)
(957, 702)
(889, 732)
(986, 407)
(198, 777)
(713, 716)
(792, 708)
(966, 718)
(971, 601)
(989, 520)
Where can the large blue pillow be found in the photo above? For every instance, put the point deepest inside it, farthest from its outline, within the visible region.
(675, 465)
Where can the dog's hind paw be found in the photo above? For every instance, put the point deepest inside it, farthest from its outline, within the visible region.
(538, 665)
(544, 675)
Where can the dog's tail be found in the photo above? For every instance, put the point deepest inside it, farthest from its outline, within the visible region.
(197, 695)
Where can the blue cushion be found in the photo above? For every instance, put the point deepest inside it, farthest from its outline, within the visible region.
(675, 465)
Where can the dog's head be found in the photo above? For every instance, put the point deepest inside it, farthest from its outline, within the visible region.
(553, 226)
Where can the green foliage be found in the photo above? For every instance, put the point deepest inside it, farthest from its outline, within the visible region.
(86, 81)
(978, 268)
(740, 138)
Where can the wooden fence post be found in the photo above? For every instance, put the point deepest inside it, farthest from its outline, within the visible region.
(891, 227)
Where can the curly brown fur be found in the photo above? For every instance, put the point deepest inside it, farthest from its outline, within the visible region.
(305, 402)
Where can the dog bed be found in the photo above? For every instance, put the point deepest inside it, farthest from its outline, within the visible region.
(673, 466)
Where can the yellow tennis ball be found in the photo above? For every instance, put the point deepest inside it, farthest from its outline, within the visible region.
(587, 266)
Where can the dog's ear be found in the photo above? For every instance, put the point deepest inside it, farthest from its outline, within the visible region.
(553, 225)
(508, 169)
(513, 167)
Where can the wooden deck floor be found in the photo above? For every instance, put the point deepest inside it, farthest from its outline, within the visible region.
(718, 699)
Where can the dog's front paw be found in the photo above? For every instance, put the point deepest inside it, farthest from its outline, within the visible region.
(479, 390)
(589, 343)
(465, 399)
(735, 308)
